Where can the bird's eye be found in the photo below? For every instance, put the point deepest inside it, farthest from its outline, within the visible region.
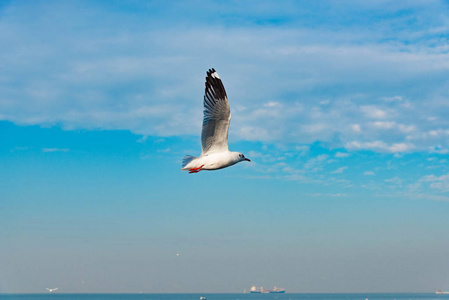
(240, 155)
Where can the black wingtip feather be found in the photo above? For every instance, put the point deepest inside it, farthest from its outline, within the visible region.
(214, 85)
(210, 72)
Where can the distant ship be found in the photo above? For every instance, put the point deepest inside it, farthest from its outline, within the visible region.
(439, 292)
(256, 290)
(277, 290)
(260, 290)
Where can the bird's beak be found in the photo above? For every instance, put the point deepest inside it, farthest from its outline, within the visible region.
(247, 159)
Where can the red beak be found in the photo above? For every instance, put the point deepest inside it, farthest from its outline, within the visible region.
(247, 159)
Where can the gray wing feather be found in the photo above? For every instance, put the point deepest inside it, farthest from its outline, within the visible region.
(214, 136)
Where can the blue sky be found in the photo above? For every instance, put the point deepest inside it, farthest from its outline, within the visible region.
(341, 105)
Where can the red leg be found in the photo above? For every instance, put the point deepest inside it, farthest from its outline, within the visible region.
(195, 170)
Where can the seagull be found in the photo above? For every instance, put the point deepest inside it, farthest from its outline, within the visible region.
(51, 290)
(214, 135)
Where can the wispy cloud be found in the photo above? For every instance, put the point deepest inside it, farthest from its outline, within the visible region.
(339, 170)
(380, 146)
(342, 154)
(46, 150)
(327, 195)
(369, 173)
(394, 180)
(440, 183)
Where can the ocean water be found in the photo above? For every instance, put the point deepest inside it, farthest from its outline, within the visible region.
(286, 296)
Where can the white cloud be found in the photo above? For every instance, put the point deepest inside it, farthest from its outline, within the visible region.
(342, 154)
(400, 147)
(272, 104)
(45, 150)
(316, 163)
(295, 177)
(322, 157)
(356, 127)
(442, 185)
(406, 128)
(369, 173)
(314, 128)
(435, 178)
(384, 125)
(339, 170)
(327, 195)
(392, 99)
(302, 149)
(142, 139)
(394, 180)
(149, 79)
(373, 112)
(437, 182)
(438, 149)
(380, 146)
(255, 133)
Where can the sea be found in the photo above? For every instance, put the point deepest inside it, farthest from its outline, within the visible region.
(286, 296)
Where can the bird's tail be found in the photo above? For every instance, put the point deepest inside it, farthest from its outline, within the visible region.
(186, 160)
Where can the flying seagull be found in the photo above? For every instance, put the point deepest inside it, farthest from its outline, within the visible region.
(214, 135)
(51, 290)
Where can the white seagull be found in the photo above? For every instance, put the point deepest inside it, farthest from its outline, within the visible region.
(214, 135)
(51, 290)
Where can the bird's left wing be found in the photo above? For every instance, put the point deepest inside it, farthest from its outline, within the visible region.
(214, 136)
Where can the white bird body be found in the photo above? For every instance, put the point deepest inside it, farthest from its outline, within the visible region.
(214, 135)
(214, 161)
(51, 290)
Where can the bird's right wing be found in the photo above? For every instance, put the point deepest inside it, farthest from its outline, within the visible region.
(214, 136)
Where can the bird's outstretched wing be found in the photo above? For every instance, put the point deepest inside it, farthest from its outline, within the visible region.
(214, 136)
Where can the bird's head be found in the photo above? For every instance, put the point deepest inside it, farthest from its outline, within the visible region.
(242, 157)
